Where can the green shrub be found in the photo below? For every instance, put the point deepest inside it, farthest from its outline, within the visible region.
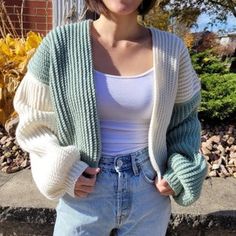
(218, 98)
(207, 62)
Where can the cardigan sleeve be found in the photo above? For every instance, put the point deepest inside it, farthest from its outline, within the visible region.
(186, 167)
(55, 168)
(39, 64)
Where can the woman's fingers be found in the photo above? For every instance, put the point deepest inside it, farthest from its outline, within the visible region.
(166, 192)
(84, 186)
(81, 193)
(91, 172)
(164, 187)
(86, 189)
(86, 182)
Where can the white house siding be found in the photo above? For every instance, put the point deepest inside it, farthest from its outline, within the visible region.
(67, 11)
(230, 38)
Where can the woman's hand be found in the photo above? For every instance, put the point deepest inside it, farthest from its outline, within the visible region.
(163, 187)
(86, 182)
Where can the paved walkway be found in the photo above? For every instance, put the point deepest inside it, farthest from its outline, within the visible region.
(218, 201)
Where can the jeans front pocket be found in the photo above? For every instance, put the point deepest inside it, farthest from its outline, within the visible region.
(147, 171)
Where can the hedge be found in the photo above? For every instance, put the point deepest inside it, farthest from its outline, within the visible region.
(218, 98)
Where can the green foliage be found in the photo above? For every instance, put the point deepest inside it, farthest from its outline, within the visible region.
(207, 62)
(157, 17)
(218, 98)
(218, 10)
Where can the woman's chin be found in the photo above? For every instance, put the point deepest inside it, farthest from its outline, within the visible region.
(122, 7)
(123, 12)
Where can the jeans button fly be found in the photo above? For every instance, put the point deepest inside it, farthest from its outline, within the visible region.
(119, 163)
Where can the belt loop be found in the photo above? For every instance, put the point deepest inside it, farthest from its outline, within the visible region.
(134, 164)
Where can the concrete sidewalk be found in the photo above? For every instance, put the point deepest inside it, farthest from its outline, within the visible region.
(24, 211)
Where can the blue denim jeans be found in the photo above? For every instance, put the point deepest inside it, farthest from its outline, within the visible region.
(124, 198)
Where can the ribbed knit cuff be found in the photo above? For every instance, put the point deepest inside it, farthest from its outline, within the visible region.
(173, 181)
(76, 170)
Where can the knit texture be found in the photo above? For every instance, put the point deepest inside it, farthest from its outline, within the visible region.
(63, 68)
(55, 168)
(186, 167)
(74, 91)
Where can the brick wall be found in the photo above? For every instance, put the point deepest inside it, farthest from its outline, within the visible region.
(37, 15)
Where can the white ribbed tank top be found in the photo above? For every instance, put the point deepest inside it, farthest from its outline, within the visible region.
(124, 106)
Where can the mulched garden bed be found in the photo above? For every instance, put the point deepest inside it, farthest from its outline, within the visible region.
(218, 147)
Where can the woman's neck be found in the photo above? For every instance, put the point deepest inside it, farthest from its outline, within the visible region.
(115, 29)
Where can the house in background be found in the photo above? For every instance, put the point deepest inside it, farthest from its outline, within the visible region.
(41, 16)
(228, 38)
(228, 42)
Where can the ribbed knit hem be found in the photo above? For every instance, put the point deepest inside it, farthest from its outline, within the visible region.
(76, 170)
(186, 177)
(173, 181)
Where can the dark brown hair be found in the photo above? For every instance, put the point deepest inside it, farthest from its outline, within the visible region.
(100, 8)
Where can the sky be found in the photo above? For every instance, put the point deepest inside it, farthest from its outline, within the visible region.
(204, 19)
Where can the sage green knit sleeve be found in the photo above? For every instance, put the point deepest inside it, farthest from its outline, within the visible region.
(55, 167)
(39, 64)
(187, 168)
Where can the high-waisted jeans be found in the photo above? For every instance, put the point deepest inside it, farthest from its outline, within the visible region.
(124, 198)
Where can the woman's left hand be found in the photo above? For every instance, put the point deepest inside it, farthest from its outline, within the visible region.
(163, 187)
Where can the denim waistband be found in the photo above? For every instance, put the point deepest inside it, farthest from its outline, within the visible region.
(123, 162)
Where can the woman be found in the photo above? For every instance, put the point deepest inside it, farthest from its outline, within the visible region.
(108, 113)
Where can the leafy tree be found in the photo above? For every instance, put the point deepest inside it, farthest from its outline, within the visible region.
(206, 40)
(189, 40)
(187, 12)
(158, 17)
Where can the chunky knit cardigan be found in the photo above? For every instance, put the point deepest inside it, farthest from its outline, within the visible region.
(59, 124)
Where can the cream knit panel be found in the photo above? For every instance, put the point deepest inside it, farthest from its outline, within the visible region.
(188, 81)
(55, 168)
